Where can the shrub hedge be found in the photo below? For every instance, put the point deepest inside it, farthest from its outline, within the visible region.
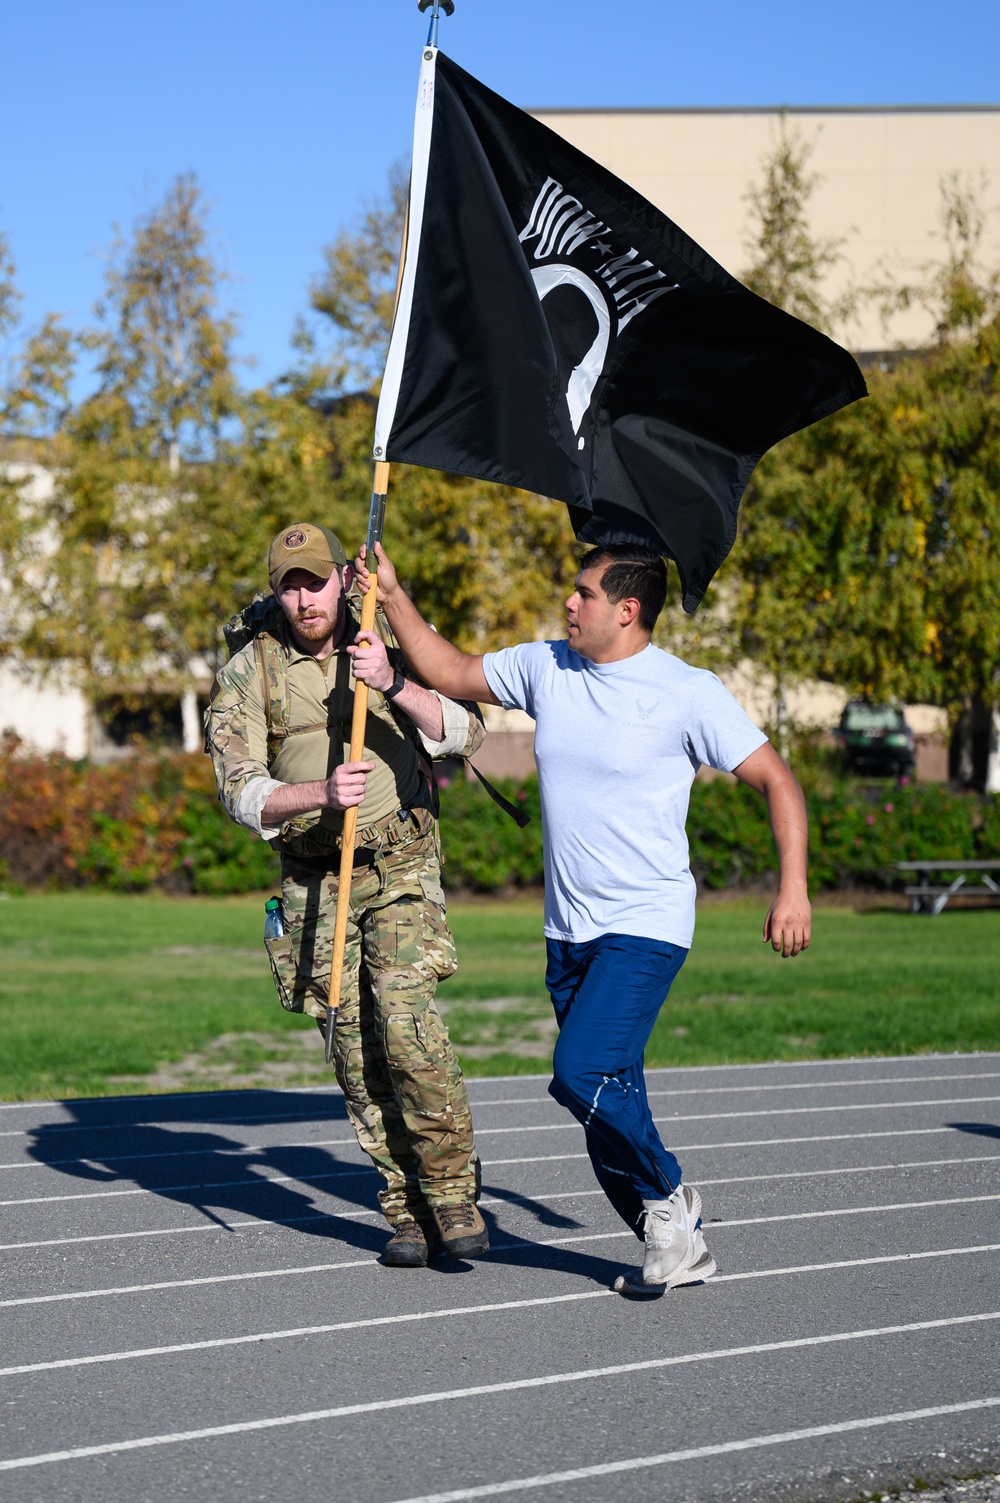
(156, 822)
(140, 823)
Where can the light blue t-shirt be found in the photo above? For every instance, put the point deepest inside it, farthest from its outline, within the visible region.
(617, 747)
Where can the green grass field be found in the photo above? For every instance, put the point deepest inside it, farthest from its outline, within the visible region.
(103, 994)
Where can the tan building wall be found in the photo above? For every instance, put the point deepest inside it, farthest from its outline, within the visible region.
(508, 751)
(880, 168)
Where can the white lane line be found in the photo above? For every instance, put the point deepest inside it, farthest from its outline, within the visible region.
(934, 1057)
(292, 1333)
(120, 1158)
(797, 1085)
(215, 1278)
(260, 1183)
(166, 1191)
(254, 1223)
(656, 1070)
(837, 1137)
(834, 1137)
(585, 1375)
(737, 1179)
(11, 1106)
(233, 1156)
(310, 1179)
(763, 1064)
(324, 1330)
(907, 1257)
(700, 1453)
(149, 1120)
(775, 1111)
(512, 1198)
(562, 1127)
(187, 1124)
(543, 1158)
(371, 1262)
(546, 1100)
(720, 1226)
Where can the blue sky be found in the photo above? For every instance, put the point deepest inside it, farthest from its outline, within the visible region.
(290, 114)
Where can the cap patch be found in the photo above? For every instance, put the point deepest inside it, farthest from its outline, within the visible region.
(294, 539)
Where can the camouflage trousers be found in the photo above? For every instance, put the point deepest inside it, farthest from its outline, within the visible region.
(401, 1080)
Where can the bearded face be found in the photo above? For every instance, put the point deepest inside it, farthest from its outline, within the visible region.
(314, 608)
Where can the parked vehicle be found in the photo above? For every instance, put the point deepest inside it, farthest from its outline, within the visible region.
(876, 738)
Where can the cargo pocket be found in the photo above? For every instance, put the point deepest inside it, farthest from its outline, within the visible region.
(419, 1074)
(439, 947)
(283, 969)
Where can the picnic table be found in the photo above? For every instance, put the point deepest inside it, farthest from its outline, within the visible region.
(930, 895)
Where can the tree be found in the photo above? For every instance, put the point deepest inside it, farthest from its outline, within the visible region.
(789, 264)
(165, 354)
(756, 612)
(34, 400)
(131, 559)
(10, 520)
(9, 295)
(357, 290)
(870, 547)
(37, 401)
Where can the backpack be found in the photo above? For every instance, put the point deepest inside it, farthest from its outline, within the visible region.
(257, 623)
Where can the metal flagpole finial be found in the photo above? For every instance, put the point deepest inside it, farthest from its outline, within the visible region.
(448, 6)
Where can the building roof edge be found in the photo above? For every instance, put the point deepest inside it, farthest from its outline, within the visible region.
(765, 109)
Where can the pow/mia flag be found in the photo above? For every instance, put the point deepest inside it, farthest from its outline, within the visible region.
(556, 332)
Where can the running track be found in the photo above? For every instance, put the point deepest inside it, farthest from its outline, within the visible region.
(192, 1306)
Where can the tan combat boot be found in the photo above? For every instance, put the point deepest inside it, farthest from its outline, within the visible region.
(412, 1243)
(463, 1230)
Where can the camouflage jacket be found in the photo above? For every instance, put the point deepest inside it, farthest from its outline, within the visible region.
(249, 721)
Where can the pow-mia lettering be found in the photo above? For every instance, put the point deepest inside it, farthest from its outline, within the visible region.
(576, 253)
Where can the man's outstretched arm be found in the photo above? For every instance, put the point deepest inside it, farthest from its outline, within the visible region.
(788, 924)
(459, 675)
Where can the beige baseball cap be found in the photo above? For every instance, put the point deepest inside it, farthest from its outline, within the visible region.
(304, 546)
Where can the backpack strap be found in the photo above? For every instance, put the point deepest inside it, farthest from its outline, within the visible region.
(519, 816)
(273, 671)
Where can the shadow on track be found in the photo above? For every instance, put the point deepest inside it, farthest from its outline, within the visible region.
(543, 1214)
(183, 1149)
(114, 1142)
(598, 1270)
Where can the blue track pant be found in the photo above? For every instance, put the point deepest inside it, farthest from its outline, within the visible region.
(607, 993)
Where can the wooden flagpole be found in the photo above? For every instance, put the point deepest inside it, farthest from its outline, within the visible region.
(376, 518)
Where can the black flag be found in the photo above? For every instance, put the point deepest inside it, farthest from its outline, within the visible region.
(556, 332)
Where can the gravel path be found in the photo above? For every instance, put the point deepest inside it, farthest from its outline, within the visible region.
(192, 1304)
(971, 1490)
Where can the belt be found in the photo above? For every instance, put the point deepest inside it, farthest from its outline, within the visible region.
(397, 828)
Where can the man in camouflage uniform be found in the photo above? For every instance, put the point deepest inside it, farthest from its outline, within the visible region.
(278, 732)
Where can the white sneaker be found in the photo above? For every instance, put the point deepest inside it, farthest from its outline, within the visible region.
(676, 1253)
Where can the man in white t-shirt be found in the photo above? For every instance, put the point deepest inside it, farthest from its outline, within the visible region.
(621, 729)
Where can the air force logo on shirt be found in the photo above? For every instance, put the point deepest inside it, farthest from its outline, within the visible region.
(645, 717)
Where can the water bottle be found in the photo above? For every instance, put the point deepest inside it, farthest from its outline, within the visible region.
(274, 924)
